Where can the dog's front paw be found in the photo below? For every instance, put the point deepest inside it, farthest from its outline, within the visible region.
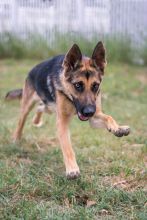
(121, 131)
(73, 173)
(15, 138)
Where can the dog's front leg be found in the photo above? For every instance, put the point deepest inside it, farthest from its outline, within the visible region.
(64, 113)
(106, 121)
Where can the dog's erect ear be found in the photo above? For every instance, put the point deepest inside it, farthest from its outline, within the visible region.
(98, 56)
(72, 58)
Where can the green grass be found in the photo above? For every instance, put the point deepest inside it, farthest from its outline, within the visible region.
(119, 49)
(113, 170)
(143, 52)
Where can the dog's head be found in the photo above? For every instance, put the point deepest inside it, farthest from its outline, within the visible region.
(82, 78)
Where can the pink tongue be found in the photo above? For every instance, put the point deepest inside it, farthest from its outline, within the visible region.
(82, 117)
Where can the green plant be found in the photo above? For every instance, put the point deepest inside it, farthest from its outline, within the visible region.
(144, 52)
(35, 46)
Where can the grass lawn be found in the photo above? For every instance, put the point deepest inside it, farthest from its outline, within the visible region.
(113, 182)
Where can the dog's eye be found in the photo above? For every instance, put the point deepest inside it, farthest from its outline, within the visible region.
(95, 87)
(79, 86)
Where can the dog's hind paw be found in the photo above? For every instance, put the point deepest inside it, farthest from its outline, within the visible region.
(38, 125)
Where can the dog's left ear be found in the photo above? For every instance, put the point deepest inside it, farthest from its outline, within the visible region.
(72, 58)
(98, 56)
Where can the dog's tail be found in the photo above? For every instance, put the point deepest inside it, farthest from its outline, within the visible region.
(14, 94)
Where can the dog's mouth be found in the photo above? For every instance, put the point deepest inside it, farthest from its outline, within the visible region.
(82, 117)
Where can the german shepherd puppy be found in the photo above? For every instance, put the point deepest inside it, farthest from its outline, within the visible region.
(69, 85)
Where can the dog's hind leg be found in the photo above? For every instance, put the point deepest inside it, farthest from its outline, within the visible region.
(27, 104)
(37, 119)
(41, 108)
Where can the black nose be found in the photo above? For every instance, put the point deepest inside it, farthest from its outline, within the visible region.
(89, 110)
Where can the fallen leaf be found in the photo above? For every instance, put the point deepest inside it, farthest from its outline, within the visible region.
(120, 183)
(66, 202)
(90, 203)
(103, 212)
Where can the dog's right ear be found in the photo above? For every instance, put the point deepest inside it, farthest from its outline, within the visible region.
(99, 57)
(72, 58)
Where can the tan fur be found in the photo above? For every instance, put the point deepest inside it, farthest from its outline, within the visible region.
(101, 120)
(41, 108)
(37, 119)
(29, 98)
(86, 65)
(65, 109)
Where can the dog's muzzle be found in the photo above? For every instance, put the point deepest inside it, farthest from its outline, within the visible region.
(87, 112)
(84, 112)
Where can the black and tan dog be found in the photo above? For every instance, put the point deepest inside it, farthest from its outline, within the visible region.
(69, 85)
